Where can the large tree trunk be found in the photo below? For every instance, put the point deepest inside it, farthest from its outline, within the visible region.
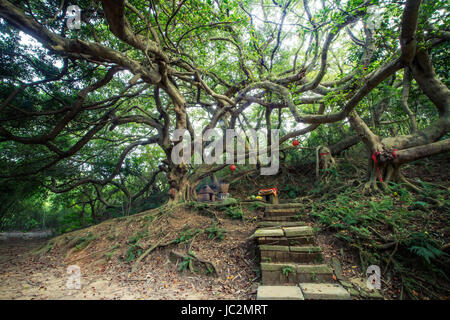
(386, 155)
(180, 187)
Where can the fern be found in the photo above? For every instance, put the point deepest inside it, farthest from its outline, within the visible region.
(428, 252)
(421, 245)
(215, 233)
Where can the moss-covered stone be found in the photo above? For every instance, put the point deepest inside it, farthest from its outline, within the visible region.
(269, 233)
(273, 248)
(314, 268)
(307, 249)
(276, 266)
(298, 231)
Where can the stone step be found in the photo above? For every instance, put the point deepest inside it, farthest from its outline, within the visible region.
(285, 236)
(293, 210)
(293, 273)
(324, 291)
(285, 212)
(297, 254)
(286, 205)
(280, 214)
(279, 293)
(298, 231)
(295, 231)
(268, 232)
(283, 241)
(279, 224)
(282, 218)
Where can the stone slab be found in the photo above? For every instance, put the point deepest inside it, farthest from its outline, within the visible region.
(283, 210)
(324, 291)
(286, 205)
(307, 249)
(346, 284)
(279, 214)
(277, 266)
(313, 269)
(273, 248)
(279, 293)
(269, 233)
(277, 278)
(281, 218)
(283, 241)
(298, 231)
(299, 268)
(337, 267)
(291, 257)
(280, 224)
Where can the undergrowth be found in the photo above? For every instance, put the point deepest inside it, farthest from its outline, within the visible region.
(402, 232)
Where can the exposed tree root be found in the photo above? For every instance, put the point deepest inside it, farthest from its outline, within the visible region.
(194, 263)
(383, 174)
(409, 184)
(142, 256)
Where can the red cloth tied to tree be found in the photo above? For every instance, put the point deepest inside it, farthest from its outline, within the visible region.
(393, 152)
(374, 158)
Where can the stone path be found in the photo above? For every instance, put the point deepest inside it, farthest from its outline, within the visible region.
(292, 265)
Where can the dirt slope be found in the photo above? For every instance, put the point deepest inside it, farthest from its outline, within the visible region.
(38, 270)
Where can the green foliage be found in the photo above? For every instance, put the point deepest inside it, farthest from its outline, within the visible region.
(184, 264)
(137, 236)
(186, 235)
(292, 190)
(214, 232)
(23, 207)
(248, 54)
(135, 248)
(285, 270)
(83, 241)
(110, 254)
(398, 221)
(133, 252)
(255, 206)
(424, 246)
(235, 213)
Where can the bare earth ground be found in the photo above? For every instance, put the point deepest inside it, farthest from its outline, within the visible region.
(43, 276)
(26, 275)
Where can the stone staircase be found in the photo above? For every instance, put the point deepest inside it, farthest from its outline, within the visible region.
(292, 265)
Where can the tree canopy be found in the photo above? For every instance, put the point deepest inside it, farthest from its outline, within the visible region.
(88, 113)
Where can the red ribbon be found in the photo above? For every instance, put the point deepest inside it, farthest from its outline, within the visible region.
(393, 152)
(374, 158)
